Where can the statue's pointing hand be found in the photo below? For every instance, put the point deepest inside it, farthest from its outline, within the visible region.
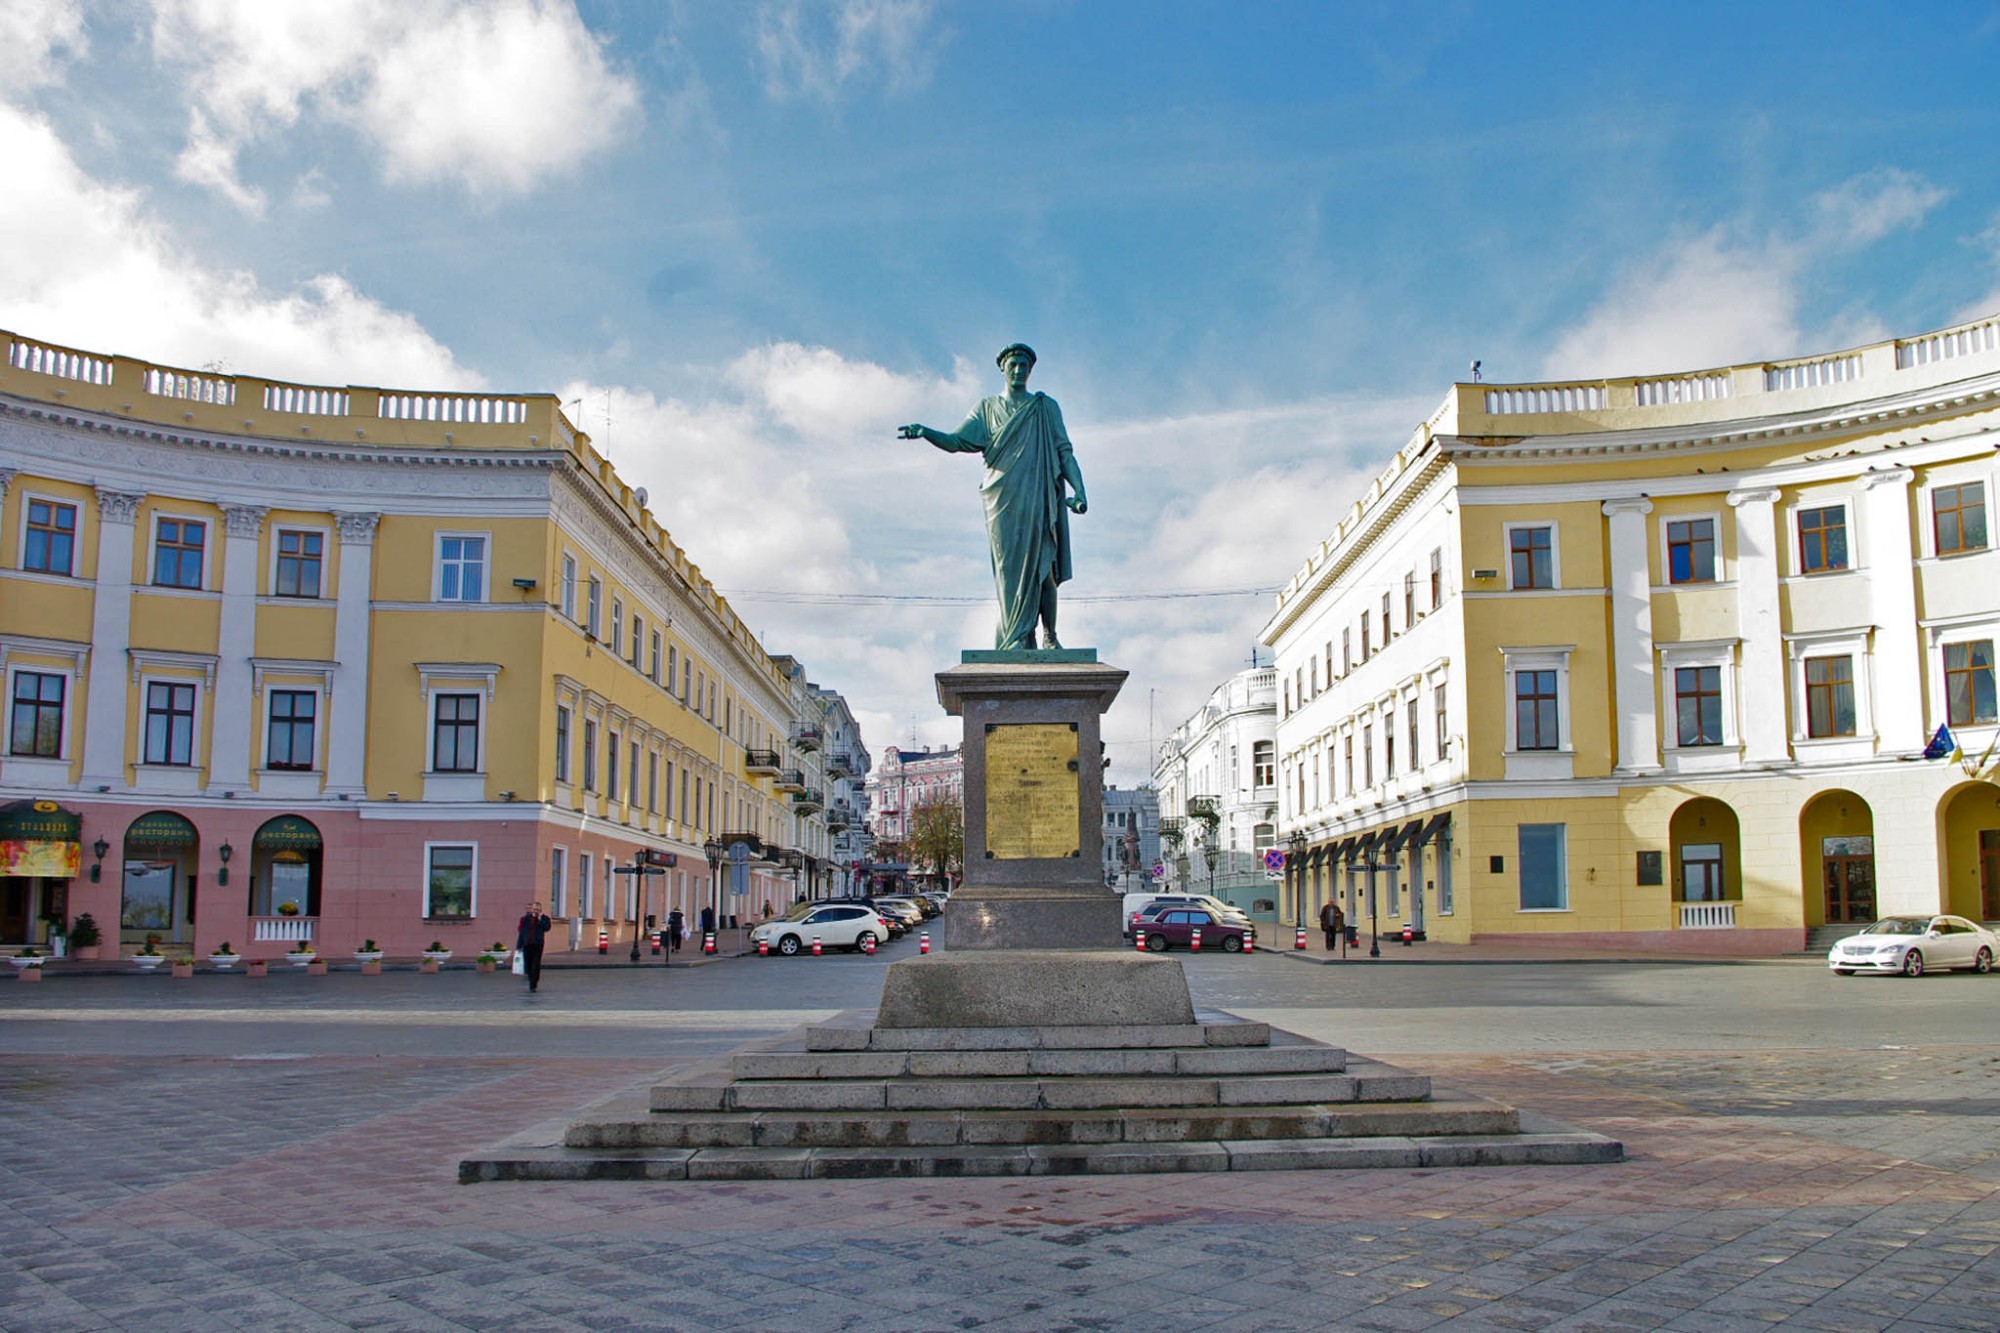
(909, 432)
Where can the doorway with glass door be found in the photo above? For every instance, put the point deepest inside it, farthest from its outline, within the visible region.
(1847, 874)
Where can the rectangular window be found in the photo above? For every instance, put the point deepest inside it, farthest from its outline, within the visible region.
(653, 784)
(1264, 757)
(1968, 683)
(1367, 756)
(1388, 748)
(1958, 514)
(1437, 578)
(694, 811)
(1409, 599)
(1535, 716)
(687, 678)
(1410, 718)
(300, 559)
(618, 626)
(1698, 705)
(169, 724)
(558, 881)
(178, 548)
(1823, 539)
(593, 606)
(562, 744)
(583, 896)
(1346, 651)
(567, 594)
(687, 811)
(461, 569)
(1691, 550)
(673, 666)
(1829, 696)
(455, 734)
(632, 773)
(50, 545)
(638, 640)
(611, 766)
(1544, 872)
(1443, 722)
(669, 811)
(653, 669)
(1348, 765)
(1365, 637)
(448, 894)
(294, 715)
(1531, 558)
(589, 755)
(1387, 632)
(36, 728)
(1312, 679)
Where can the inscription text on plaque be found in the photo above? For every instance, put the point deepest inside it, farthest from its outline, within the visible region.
(1033, 805)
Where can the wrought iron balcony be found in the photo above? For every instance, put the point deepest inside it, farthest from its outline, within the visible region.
(808, 799)
(761, 762)
(840, 762)
(807, 736)
(838, 816)
(1204, 808)
(790, 779)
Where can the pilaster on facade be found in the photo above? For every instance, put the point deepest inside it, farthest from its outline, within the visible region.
(347, 744)
(230, 741)
(110, 637)
(1633, 683)
(1892, 597)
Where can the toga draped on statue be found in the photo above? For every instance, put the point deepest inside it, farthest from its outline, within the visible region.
(1026, 450)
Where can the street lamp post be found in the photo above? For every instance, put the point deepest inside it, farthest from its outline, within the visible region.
(641, 867)
(714, 851)
(1375, 868)
(1211, 854)
(1295, 860)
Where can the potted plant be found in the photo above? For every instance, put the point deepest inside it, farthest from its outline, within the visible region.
(257, 967)
(288, 909)
(27, 964)
(489, 959)
(224, 957)
(58, 935)
(435, 956)
(149, 955)
(369, 955)
(184, 967)
(84, 937)
(302, 954)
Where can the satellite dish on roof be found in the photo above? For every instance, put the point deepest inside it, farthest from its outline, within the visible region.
(639, 497)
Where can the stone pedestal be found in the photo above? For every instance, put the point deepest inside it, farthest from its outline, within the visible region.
(1030, 988)
(1034, 801)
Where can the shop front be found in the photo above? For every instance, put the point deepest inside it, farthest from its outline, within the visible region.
(41, 852)
(162, 851)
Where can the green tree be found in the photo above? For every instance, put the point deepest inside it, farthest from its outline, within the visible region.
(937, 837)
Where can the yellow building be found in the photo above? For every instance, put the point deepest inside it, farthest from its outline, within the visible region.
(305, 663)
(1656, 660)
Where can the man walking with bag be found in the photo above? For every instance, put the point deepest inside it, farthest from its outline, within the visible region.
(528, 939)
(1332, 920)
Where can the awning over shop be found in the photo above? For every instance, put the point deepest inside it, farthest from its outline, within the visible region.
(160, 831)
(40, 839)
(1357, 848)
(1393, 839)
(289, 832)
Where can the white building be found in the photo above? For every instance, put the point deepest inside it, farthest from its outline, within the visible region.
(1217, 779)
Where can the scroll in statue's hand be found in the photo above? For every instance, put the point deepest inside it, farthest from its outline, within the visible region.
(1077, 504)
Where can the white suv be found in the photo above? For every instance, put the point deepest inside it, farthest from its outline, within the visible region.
(836, 925)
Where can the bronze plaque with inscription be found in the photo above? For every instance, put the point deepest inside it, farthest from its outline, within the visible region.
(1033, 801)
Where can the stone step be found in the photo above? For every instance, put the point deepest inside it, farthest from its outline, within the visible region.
(853, 1037)
(1184, 1061)
(718, 1092)
(1395, 1152)
(923, 1131)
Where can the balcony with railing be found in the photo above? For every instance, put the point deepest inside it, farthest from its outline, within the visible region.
(283, 929)
(807, 736)
(1204, 808)
(807, 800)
(840, 762)
(790, 779)
(762, 763)
(838, 816)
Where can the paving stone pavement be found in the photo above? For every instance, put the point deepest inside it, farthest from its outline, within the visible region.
(1824, 1190)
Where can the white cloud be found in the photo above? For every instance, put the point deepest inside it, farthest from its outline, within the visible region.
(496, 96)
(36, 38)
(816, 50)
(108, 278)
(1727, 295)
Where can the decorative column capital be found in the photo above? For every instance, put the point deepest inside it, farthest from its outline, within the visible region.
(358, 529)
(1637, 504)
(6, 476)
(1763, 495)
(244, 520)
(1888, 476)
(119, 506)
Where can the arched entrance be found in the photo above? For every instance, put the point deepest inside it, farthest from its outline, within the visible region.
(162, 853)
(1969, 823)
(285, 879)
(1837, 851)
(1706, 849)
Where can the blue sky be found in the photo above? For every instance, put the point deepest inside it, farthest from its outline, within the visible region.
(1253, 244)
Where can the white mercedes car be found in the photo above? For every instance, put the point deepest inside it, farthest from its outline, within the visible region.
(1914, 945)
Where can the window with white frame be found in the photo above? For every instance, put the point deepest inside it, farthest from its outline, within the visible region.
(562, 743)
(1544, 868)
(48, 537)
(589, 755)
(1442, 720)
(611, 766)
(1829, 683)
(449, 876)
(1697, 705)
(38, 704)
(558, 881)
(1531, 556)
(583, 885)
(1822, 539)
(653, 662)
(1437, 577)
(1958, 517)
(566, 593)
(1368, 756)
(461, 564)
(1414, 731)
(1968, 683)
(632, 772)
(1537, 699)
(301, 557)
(593, 606)
(455, 733)
(180, 548)
(291, 730)
(1264, 760)
(1691, 550)
(618, 626)
(169, 737)
(637, 641)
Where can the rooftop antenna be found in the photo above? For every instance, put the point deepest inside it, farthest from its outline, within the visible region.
(1475, 372)
(607, 421)
(1254, 664)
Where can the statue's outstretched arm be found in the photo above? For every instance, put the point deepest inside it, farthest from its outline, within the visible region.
(950, 443)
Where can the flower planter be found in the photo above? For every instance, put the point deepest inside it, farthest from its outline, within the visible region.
(438, 955)
(484, 964)
(148, 961)
(316, 968)
(183, 971)
(371, 962)
(86, 953)
(27, 974)
(25, 965)
(428, 965)
(301, 959)
(258, 967)
(222, 962)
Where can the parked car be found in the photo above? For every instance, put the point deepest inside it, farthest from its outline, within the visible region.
(901, 913)
(1174, 926)
(838, 926)
(1136, 903)
(1913, 945)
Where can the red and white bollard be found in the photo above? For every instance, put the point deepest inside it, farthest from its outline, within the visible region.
(708, 941)
(1299, 939)
(868, 944)
(1249, 942)
(1409, 933)
(1138, 939)
(1194, 941)
(815, 946)
(658, 937)
(763, 948)
(603, 940)
(924, 942)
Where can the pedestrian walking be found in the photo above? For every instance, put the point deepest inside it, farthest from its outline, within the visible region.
(676, 927)
(1332, 920)
(529, 937)
(707, 920)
